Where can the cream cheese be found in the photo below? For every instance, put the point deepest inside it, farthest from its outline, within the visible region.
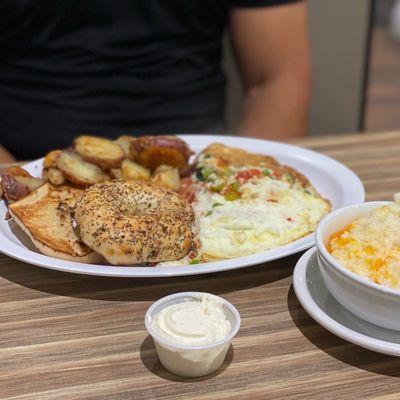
(193, 322)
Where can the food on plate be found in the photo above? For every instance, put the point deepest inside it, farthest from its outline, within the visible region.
(153, 151)
(44, 215)
(131, 171)
(116, 173)
(132, 222)
(229, 202)
(246, 203)
(54, 176)
(17, 183)
(100, 151)
(167, 177)
(369, 246)
(50, 160)
(125, 142)
(78, 171)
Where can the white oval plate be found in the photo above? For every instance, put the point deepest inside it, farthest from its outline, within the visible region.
(324, 309)
(333, 180)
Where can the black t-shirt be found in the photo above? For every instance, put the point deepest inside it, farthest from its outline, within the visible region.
(109, 68)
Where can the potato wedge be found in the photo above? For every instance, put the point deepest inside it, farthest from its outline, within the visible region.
(125, 142)
(78, 171)
(16, 185)
(50, 160)
(100, 151)
(55, 176)
(167, 177)
(16, 170)
(132, 171)
(153, 157)
(153, 151)
(116, 173)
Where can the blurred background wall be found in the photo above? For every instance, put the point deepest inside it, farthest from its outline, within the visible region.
(339, 34)
(383, 99)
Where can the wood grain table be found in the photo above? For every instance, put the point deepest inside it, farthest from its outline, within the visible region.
(66, 336)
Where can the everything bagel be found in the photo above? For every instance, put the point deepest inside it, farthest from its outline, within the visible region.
(134, 222)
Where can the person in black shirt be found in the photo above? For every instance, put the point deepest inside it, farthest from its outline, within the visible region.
(136, 67)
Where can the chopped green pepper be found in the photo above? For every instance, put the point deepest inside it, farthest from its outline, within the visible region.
(267, 172)
(235, 186)
(290, 178)
(217, 188)
(195, 261)
(216, 205)
(231, 196)
(202, 174)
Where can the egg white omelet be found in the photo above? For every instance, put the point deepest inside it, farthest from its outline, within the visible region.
(244, 209)
(269, 214)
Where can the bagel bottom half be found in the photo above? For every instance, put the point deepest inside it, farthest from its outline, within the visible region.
(130, 222)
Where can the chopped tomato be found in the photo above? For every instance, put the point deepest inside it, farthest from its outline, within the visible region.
(289, 219)
(244, 176)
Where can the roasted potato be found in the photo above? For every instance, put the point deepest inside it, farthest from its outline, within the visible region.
(102, 152)
(50, 160)
(78, 171)
(17, 183)
(132, 171)
(167, 177)
(116, 173)
(125, 142)
(55, 176)
(153, 151)
(16, 170)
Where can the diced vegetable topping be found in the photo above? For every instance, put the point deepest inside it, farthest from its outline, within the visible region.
(247, 174)
(231, 196)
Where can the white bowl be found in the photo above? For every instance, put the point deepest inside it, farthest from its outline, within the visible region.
(370, 301)
(187, 360)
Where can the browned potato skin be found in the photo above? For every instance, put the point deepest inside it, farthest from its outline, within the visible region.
(50, 160)
(116, 173)
(55, 176)
(74, 167)
(132, 171)
(125, 142)
(17, 183)
(88, 148)
(16, 170)
(167, 177)
(153, 151)
(154, 157)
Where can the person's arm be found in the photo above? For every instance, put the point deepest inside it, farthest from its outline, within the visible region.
(272, 50)
(5, 156)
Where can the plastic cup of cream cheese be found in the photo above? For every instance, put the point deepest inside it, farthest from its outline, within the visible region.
(192, 331)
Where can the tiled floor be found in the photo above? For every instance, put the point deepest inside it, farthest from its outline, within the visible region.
(383, 98)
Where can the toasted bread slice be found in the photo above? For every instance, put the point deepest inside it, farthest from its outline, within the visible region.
(44, 216)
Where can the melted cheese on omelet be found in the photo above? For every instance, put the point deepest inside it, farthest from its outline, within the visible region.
(269, 214)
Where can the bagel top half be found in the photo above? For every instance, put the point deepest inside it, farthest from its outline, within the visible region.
(132, 222)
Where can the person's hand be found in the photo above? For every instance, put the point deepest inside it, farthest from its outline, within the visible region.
(6, 157)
